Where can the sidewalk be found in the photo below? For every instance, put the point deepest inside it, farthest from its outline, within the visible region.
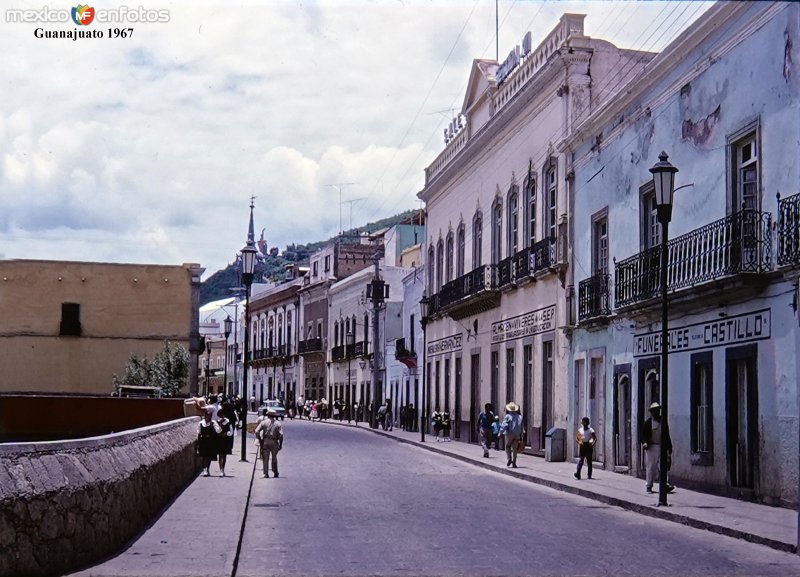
(774, 527)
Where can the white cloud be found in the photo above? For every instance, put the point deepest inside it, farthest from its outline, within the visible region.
(147, 149)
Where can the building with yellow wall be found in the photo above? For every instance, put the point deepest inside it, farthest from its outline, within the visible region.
(68, 327)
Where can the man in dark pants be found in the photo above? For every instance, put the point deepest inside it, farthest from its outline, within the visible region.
(653, 435)
(586, 438)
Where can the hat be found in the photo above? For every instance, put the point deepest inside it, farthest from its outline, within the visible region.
(654, 406)
(272, 413)
(512, 407)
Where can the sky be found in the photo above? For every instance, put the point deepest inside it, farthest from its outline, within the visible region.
(148, 148)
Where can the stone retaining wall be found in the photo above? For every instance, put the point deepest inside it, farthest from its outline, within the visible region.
(65, 504)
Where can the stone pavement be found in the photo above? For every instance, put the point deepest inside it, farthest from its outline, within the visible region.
(774, 527)
(197, 534)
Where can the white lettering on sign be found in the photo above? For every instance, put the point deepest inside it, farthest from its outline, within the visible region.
(513, 59)
(445, 345)
(741, 328)
(532, 323)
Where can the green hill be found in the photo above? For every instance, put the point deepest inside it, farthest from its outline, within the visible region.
(218, 285)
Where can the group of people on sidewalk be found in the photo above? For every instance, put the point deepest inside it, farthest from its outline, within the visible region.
(653, 436)
(215, 432)
(510, 429)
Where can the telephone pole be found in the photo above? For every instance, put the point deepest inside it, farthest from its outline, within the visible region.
(339, 186)
(378, 292)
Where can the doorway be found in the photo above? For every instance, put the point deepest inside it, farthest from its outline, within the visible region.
(457, 416)
(742, 415)
(622, 416)
(547, 391)
(649, 391)
(474, 395)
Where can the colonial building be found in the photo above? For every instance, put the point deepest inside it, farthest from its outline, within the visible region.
(722, 101)
(69, 327)
(274, 362)
(497, 223)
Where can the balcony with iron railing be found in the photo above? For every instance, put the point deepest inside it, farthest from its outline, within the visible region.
(403, 355)
(594, 297)
(789, 230)
(526, 263)
(344, 352)
(310, 346)
(469, 294)
(740, 243)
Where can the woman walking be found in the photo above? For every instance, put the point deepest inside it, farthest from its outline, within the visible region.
(208, 432)
(225, 440)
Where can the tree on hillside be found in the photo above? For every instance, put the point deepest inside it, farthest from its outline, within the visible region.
(169, 370)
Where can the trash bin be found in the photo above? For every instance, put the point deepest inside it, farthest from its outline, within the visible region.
(554, 445)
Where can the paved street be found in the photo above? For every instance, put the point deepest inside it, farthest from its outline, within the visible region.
(351, 502)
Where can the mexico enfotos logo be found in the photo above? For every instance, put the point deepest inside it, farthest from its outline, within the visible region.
(84, 15)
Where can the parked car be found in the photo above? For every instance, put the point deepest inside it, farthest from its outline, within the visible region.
(273, 405)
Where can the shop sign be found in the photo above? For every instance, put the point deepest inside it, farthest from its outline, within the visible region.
(743, 328)
(532, 323)
(446, 345)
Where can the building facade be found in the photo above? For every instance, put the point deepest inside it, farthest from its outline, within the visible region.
(69, 327)
(733, 240)
(496, 253)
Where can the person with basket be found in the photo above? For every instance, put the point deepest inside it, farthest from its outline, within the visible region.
(511, 429)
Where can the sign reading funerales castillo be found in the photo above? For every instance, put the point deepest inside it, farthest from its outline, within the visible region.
(743, 328)
(446, 345)
(532, 323)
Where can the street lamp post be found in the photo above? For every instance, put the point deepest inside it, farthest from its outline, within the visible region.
(248, 266)
(350, 340)
(208, 364)
(228, 324)
(424, 304)
(664, 181)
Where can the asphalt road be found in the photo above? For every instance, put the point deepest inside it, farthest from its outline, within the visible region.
(353, 503)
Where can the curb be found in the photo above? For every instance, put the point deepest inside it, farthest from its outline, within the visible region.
(656, 512)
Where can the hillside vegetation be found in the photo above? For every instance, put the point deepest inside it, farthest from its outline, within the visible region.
(218, 285)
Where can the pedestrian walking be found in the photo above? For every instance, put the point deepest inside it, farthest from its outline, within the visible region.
(436, 421)
(485, 420)
(208, 432)
(314, 410)
(225, 440)
(269, 434)
(586, 438)
(496, 432)
(653, 435)
(511, 429)
(446, 426)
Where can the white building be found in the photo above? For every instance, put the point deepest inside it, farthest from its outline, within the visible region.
(497, 222)
(722, 101)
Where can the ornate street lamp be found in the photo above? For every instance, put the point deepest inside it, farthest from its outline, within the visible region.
(228, 324)
(424, 305)
(664, 181)
(248, 267)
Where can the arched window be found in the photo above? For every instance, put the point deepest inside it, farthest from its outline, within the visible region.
(271, 340)
(497, 231)
(280, 330)
(530, 208)
(366, 331)
(448, 258)
(439, 264)
(335, 333)
(461, 250)
(513, 221)
(431, 261)
(477, 240)
(550, 198)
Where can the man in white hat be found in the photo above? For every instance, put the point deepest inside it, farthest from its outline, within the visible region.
(653, 435)
(511, 427)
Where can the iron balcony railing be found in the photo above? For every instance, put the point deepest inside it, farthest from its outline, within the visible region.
(477, 281)
(400, 350)
(310, 346)
(789, 230)
(739, 243)
(338, 353)
(594, 297)
(526, 262)
(360, 349)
